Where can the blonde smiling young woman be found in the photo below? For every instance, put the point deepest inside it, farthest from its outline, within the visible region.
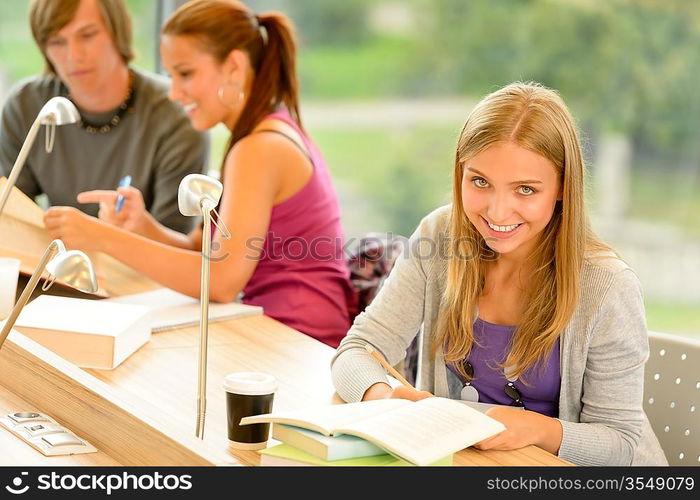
(519, 303)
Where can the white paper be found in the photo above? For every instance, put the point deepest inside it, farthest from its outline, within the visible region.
(170, 309)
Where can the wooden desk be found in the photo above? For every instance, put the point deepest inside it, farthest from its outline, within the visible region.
(300, 364)
(144, 412)
(17, 452)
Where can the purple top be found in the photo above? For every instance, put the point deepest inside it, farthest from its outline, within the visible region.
(490, 347)
(302, 279)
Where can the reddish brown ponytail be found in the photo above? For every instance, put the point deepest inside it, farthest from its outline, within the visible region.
(275, 75)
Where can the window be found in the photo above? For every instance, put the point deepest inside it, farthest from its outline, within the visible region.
(386, 86)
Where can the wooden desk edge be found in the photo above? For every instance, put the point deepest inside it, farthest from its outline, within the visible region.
(90, 408)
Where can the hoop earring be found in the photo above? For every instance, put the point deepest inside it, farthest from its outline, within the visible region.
(222, 99)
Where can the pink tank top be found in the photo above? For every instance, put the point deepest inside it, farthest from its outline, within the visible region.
(302, 279)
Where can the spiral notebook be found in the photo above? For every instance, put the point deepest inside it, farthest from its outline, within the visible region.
(170, 309)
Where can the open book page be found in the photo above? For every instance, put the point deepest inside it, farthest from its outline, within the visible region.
(24, 237)
(22, 207)
(22, 227)
(425, 431)
(327, 419)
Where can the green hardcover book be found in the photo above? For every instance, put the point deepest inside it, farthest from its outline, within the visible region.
(284, 454)
(328, 448)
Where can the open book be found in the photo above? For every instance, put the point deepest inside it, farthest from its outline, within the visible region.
(24, 237)
(170, 309)
(420, 432)
(22, 228)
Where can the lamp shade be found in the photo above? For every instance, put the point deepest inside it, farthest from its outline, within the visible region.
(195, 188)
(59, 111)
(74, 268)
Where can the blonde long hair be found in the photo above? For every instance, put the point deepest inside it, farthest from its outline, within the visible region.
(536, 119)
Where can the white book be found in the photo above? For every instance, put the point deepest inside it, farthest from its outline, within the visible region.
(420, 432)
(88, 333)
(170, 309)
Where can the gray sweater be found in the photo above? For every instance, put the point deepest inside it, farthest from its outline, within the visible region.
(603, 349)
(155, 144)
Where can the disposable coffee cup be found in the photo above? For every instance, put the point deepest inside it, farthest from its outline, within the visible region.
(247, 394)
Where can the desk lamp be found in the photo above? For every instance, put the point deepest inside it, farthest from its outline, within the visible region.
(57, 111)
(199, 195)
(71, 266)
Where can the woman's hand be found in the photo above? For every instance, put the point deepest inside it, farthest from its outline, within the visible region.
(380, 390)
(132, 216)
(523, 428)
(403, 392)
(76, 229)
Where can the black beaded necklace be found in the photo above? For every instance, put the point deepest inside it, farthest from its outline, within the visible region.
(124, 107)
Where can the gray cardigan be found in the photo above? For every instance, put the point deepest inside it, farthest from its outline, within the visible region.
(603, 349)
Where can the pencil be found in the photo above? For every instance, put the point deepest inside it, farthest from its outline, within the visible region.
(387, 366)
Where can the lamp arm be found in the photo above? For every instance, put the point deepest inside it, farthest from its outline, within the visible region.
(54, 247)
(207, 206)
(19, 163)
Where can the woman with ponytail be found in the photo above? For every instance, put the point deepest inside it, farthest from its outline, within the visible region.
(524, 312)
(231, 66)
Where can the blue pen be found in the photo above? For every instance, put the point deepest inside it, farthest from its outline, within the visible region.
(125, 182)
